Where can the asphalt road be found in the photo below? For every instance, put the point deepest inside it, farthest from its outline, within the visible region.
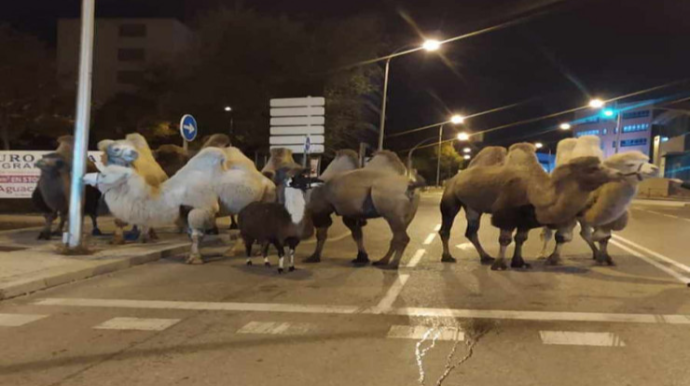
(430, 323)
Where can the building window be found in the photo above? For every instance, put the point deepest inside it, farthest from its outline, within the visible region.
(634, 142)
(606, 131)
(590, 120)
(131, 54)
(634, 128)
(636, 114)
(132, 30)
(587, 132)
(130, 77)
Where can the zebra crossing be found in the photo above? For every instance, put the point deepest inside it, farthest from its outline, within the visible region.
(421, 332)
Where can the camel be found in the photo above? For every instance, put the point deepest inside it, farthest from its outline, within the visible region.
(52, 192)
(519, 194)
(280, 158)
(133, 151)
(171, 158)
(381, 189)
(607, 207)
(202, 184)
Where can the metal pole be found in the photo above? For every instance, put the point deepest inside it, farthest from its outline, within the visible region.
(81, 125)
(382, 125)
(438, 162)
(618, 128)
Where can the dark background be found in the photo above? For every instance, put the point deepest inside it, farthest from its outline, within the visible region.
(557, 60)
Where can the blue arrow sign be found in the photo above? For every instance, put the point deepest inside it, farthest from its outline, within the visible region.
(307, 145)
(188, 128)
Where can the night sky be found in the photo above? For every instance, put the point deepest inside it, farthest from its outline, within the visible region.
(574, 50)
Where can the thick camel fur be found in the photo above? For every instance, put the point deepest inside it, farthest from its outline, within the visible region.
(52, 192)
(280, 158)
(519, 194)
(380, 189)
(607, 207)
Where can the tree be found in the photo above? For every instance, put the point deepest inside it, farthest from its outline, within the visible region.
(425, 161)
(31, 101)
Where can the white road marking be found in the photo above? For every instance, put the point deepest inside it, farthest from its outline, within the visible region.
(416, 258)
(276, 328)
(570, 338)
(141, 324)
(426, 332)
(430, 238)
(465, 246)
(16, 320)
(665, 215)
(386, 304)
(671, 272)
(420, 312)
(437, 227)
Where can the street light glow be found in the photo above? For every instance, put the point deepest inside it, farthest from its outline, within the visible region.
(565, 126)
(431, 45)
(467, 156)
(228, 108)
(596, 103)
(467, 150)
(463, 137)
(608, 112)
(457, 119)
(539, 145)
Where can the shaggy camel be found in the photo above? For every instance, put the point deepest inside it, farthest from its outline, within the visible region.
(380, 189)
(607, 207)
(200, 185)
(280, 158)
(51, 195)
(519, 194)
(133, 151)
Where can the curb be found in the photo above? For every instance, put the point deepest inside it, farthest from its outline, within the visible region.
(53, 279)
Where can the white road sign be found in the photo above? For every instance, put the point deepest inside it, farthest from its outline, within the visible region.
(293, 119)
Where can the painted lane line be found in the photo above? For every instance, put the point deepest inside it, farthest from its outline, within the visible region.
(386, 304)
(430, 238)
(276, 328)
(437, 228)
(653, 253)
(140, 324)
(416, 258)
(570, 338)
(651, 261)
(202, 306)
(666, 215)
(671, 319)
(426, 332)
(465, 246)
(17, 320)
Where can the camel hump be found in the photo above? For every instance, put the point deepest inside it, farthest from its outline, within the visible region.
(387, 160)
(489, 156)
(217, 140)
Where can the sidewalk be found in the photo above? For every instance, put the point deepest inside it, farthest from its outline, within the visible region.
(670, 203)
(28, 265)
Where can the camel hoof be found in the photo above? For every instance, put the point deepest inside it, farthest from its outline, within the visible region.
(448, 259)
(195, 259)
(499, 265)
(486, 260)
(362, 258)
(267, 264)
(96, 232)
(291, 269)
(605, 260)
(312, 259)
(280, 270)
(213, 231)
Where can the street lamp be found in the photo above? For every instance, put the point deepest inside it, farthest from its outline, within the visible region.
(467, 156)
(429, 46)
(565, 126)
(228, 109)
(463, 137)
(596, 103)
(538, 145)
(456, 120)
(467, 150)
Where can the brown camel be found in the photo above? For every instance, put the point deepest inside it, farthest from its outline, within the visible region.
(520, 195)
(380, 189)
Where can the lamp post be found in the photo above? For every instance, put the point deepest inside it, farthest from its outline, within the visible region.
(228, 109)
(598, 103)
(456, 120)
(409, 154)
(429, 45)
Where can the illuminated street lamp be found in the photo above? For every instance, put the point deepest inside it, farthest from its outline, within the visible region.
(467, 150)
(467, 156)
(608, 112)
(228, 109)
(429, 45)
(565, 126)
(538, 145)
(463, 137)
(596, 103)
(456, 120)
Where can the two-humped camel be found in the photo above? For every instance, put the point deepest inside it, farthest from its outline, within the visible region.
(381, 189)
(519, 193)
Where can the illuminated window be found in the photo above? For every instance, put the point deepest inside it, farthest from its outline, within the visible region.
(634, 142)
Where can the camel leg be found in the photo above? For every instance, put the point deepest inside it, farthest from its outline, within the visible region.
(233, 222)
(144, 236)
(195, 255)
(355, 226)
(546, 236)
(47, 226)
(397, 245)
(504, 239)
(472, 233)
(153, 236)
(450, 207)
(94, 222)
(61, 225)
(564, 234)
(520, 238)
(586, 234)
(322, 223)
(603, 237)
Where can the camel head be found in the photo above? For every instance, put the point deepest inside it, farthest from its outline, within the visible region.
(588, 172)
(633, 163)
(121, 152)
(216, 140)
(53, 163)
(280, 157)
(109, 177)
